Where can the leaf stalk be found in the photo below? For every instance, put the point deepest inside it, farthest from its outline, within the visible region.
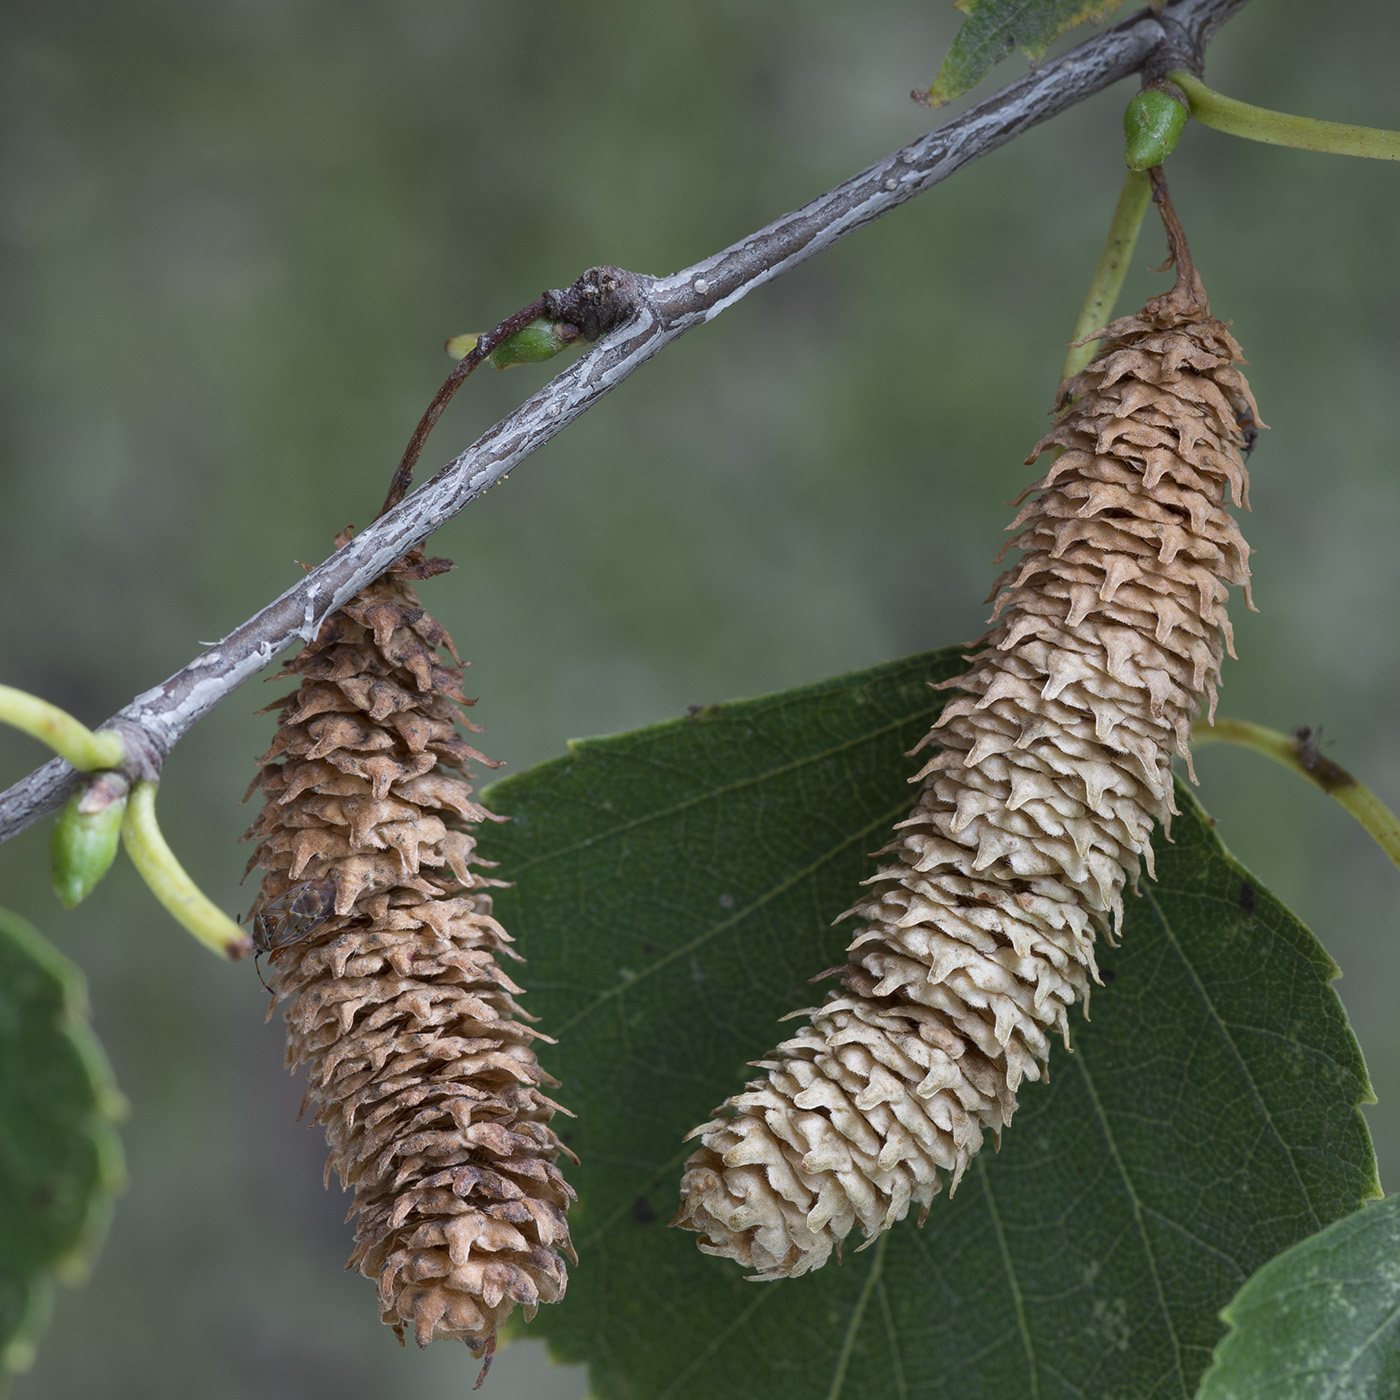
(1107, 282)
(1299, 753)
(166, 877)
(1236, 118)
(85, 749)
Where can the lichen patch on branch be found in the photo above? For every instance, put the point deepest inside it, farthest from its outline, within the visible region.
(1037, 805)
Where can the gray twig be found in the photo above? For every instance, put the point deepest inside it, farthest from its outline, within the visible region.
(664, 308)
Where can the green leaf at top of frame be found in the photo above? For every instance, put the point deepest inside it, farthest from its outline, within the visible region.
(674, 891)
(60, 1158)
(995, 28)
(1321, 1320)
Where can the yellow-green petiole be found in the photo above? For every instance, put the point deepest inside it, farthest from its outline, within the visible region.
(85, 749)
(1298, 752)
(1097, 310)
(169, 882)
(1236, 118)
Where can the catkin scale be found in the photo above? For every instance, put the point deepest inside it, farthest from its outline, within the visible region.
(419, 1059)
(1047, 775)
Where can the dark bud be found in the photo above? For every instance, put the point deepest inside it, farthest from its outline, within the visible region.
(600, 301)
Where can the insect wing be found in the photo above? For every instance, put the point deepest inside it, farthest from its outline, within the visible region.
(293, 915)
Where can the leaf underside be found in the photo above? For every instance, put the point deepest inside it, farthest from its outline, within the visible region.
(995, 28)
(60, 1160)
(1321, 1320)
(674, 893)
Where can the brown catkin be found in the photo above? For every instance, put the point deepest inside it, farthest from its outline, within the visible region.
(419, 1060)
(1047, 776)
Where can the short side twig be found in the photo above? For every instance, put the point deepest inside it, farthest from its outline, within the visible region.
(403, 475)
(599, 301)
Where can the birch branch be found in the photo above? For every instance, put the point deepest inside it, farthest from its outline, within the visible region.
(661, 310)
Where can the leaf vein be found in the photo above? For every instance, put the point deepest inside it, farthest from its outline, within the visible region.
(892, 1336)
(699, 941)
(1022, 1325)
(848, 1342)
(1345, 1369)
(718, 1341)
(1128, 1186)
(714, 793)
(1243, 1063)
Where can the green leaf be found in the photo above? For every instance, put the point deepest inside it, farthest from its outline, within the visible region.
(60, 1159)
(674, 892)
(1320, 1322)
(993, 28)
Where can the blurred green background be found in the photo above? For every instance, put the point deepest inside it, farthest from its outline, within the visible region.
(234, 237)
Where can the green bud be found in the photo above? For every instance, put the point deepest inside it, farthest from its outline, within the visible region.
(85, 838)
(542, 339)
(459, 346)
(1153, 124)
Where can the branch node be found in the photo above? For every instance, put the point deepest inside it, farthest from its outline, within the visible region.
(598, 302)
(145, 756)
(1176, 51)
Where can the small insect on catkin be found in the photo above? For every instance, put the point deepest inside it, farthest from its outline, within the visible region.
(1047, 776)
(380, 935)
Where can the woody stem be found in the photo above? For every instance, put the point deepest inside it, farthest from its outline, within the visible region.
(664, 308)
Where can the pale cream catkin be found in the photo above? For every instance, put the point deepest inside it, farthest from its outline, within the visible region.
(1046, 777)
